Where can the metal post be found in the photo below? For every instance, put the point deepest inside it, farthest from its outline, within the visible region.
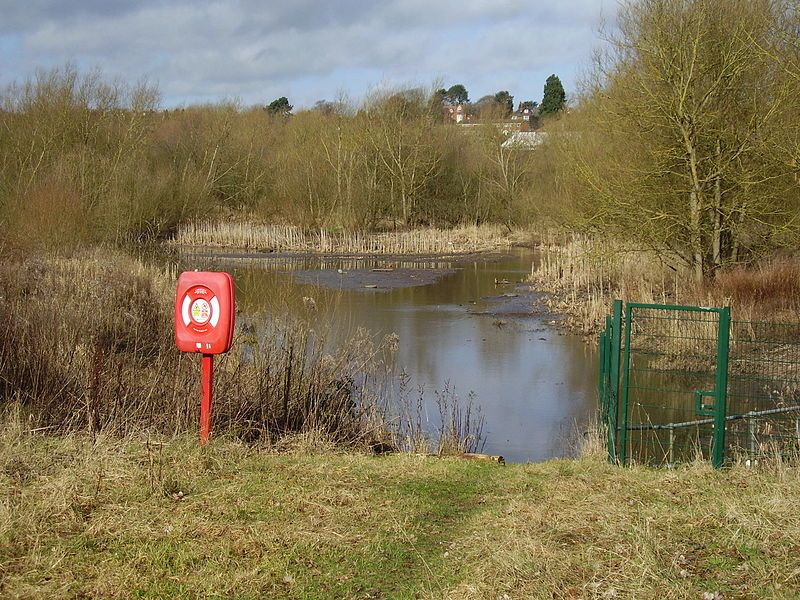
(601, 380)
(207, 384)
(720, 403)
(623, 434)
(751, 426)
(613, 362)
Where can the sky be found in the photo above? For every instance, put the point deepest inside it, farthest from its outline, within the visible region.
(200, 51)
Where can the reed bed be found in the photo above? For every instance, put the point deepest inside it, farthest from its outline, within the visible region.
(584, 275)
(290, 238)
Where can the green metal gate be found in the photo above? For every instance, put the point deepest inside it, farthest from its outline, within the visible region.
(682, 382)
(666, 401)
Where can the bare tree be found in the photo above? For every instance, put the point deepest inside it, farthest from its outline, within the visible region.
(688, 108)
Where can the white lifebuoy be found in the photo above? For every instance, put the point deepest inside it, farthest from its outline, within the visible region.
(189, 307)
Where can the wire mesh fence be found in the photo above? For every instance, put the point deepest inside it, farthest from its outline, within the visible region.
(690, 383)
(764, 389)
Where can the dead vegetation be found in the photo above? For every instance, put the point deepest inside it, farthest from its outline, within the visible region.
(585, 274)
(86, 345)
(288, 238)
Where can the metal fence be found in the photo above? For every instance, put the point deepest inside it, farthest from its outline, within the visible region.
(681, 382)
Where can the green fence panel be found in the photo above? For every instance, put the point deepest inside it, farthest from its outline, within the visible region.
(695, 383)
(763, 404)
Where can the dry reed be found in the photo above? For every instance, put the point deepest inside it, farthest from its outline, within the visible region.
(289, 238)
(584, 275)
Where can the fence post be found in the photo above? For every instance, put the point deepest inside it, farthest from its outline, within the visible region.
(720, 402)
(623, 428)
(602, 386)
(613, 376)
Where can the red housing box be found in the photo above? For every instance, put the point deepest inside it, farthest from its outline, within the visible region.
(204, 312)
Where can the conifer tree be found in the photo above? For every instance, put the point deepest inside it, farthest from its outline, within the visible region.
(554, 96)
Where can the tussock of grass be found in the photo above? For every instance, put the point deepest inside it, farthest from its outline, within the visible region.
(146, 519)
(289, 238)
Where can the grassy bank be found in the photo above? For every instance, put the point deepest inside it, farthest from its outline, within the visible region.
(167, 519)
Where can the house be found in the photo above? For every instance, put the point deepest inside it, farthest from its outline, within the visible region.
(457, 113)
(525, 140)
(525, 113)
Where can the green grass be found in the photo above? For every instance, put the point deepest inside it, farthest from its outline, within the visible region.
(126, 519)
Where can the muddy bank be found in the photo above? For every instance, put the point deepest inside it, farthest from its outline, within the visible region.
(371, 280)
(193, 252)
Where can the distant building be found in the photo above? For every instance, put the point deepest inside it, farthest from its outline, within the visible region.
(525, 140)
(527, 115)
(510, 127)
(457, 113)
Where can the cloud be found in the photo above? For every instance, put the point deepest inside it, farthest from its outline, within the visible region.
(257, 50)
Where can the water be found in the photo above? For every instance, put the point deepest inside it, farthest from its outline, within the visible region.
(536, 384)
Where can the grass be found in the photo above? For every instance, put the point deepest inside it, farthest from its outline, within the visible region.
(139, 519)
(289, 238)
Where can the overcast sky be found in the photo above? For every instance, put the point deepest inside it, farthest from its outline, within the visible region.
(307, 50)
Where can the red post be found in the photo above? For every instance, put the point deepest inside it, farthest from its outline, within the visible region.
(207, 382)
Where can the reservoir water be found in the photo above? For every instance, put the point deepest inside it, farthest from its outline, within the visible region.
(464, 323)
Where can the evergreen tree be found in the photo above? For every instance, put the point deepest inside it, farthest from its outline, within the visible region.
(457, 94)
(505, 100)
(554, 96)
(280, 106)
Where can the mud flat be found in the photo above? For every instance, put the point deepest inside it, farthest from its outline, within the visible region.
(371, 280)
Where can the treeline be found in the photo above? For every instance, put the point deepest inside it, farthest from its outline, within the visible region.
(686, 139)
(683, 141)
(84, 160)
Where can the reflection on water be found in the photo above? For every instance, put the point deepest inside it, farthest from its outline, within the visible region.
(535, 385)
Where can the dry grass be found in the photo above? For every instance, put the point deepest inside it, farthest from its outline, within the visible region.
(767, 291)
(585, 275)
(164, 518)
(288, 238)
